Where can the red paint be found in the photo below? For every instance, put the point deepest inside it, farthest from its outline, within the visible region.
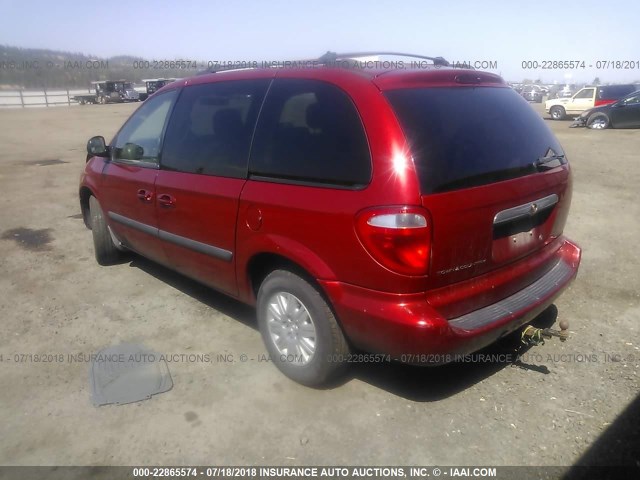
(383, 304)
(600, 103)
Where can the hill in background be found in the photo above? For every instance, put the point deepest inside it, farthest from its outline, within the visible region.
(41, 68)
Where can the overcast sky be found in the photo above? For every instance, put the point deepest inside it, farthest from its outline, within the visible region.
(506, 32)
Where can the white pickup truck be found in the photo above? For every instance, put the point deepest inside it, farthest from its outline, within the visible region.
(586, 98)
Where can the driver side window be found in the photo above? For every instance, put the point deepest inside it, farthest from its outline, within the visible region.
(139, 140)
(586, 93)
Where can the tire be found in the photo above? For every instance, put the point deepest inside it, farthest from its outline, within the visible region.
(598, 121)
(299, 330)
(103, 100)
(105, 250)
(557, 113)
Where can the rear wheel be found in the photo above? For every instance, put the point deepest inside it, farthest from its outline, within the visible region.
(301, 333)
(105, 250)
(598, 121)
(557, 113)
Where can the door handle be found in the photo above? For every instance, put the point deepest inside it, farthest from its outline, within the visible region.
(166, 200)
(145, 195)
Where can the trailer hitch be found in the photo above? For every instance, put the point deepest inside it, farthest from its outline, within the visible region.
(536, 336)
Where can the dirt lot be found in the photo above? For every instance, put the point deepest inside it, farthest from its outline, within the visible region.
(56, 300)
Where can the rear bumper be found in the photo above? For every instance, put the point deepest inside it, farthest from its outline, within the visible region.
(411, 329)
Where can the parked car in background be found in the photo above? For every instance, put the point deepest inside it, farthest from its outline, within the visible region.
(566, 92)
(409, 214)
(152, 85)
(129, 93)
(155, 84)
(553, 92)
(585, 99)
(560, 91)
(109, 91)
(625, 113)
(532, 93)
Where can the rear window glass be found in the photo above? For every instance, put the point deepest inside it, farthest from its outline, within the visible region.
(462, 137)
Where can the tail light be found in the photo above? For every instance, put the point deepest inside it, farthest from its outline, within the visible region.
(398, 238)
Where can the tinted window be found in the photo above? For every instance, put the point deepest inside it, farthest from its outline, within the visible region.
(211, 127)
(310, 131)
(613, 92)
(139, 139)
(462, 137)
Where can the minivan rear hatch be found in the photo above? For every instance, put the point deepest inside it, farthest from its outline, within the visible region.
(492, 175)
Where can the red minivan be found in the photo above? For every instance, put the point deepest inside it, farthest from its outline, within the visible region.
(411, 214)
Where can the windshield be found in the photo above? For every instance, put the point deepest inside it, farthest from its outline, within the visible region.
(463, 136)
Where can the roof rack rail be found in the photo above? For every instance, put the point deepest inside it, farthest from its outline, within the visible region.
(229, 68)
(332, 57)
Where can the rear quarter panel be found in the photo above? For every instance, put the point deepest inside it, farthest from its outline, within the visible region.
(314, 226)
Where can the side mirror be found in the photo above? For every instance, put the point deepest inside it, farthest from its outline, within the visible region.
(96, 147)
(131, 151)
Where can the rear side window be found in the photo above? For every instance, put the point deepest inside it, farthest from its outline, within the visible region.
(211, 127)
(310, 131)
(614, 92)
(463, 137)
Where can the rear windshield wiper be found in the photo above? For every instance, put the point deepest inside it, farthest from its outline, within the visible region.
(549, 161)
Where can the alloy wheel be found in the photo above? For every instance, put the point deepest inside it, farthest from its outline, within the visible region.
(291, 328)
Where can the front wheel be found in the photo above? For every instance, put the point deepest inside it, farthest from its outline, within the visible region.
(105, 250)
(598, 121)
(557, 113)
(301, 333)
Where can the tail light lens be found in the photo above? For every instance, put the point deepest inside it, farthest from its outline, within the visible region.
(398, 238)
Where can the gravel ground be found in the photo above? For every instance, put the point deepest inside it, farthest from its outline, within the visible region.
(558, 407)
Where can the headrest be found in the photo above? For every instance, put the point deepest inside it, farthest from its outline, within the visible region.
(317, 116)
